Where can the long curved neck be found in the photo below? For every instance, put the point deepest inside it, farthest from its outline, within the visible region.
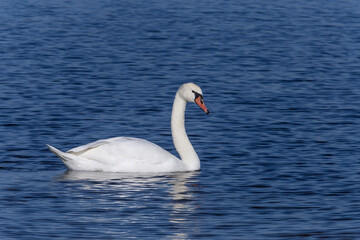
(180, 138)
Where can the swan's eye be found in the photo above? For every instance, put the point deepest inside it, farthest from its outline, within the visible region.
(198, 95)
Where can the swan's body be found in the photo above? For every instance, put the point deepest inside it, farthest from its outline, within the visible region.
(120, 154)
(123, 154)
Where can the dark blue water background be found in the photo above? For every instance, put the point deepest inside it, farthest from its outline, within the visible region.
(279, 151)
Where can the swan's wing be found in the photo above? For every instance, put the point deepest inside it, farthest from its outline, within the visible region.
(128, 154)
(81, 149)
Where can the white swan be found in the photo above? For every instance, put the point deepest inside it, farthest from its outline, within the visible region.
(123, 154)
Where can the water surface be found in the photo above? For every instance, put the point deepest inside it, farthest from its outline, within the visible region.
(279, 150)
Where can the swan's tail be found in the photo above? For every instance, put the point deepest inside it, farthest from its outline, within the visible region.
(74, 162)
(63, 156)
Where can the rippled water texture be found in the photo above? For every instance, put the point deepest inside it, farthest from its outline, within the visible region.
(279, 150)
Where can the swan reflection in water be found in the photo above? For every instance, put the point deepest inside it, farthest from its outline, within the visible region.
(141, 196)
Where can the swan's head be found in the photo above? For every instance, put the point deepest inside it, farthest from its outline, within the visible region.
(191, 92)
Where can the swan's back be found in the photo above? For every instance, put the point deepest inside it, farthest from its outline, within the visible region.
(121, 154)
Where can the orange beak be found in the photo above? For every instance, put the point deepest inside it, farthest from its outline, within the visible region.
(200, 102)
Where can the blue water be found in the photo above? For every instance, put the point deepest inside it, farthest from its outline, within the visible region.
(279, 150)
